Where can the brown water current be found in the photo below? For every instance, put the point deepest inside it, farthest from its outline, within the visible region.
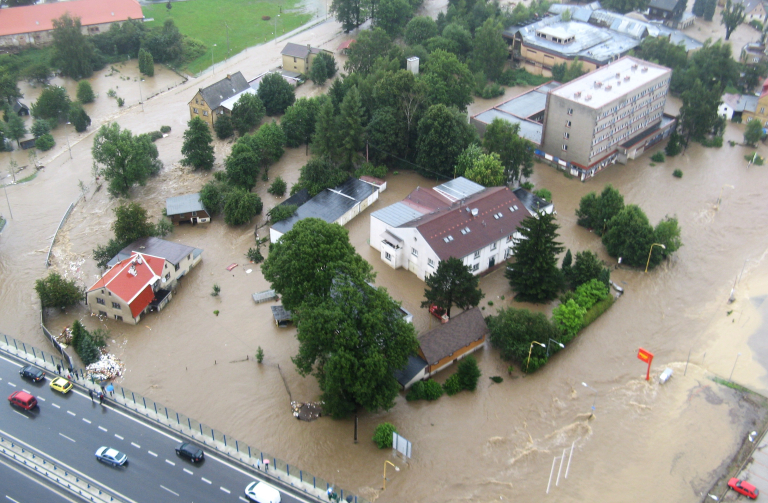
(645, 442)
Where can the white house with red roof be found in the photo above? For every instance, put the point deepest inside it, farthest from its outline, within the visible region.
(456, 219)
(33, 24)
(142, 278)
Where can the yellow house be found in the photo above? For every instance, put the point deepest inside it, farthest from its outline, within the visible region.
(298, 58)
(761, 110)
(207, 102)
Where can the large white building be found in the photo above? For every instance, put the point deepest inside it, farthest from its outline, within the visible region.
(456, 219)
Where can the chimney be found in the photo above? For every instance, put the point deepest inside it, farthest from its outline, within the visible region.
(229, 77)
(474, 212)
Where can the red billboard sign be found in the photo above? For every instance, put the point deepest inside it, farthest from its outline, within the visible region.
(647, 357)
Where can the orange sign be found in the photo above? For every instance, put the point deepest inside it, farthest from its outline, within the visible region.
(647, 357)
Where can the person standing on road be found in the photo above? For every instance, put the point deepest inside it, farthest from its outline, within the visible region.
(101, 399)
(58, 369)
(90, 393)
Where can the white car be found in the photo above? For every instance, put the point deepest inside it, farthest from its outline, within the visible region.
(111, 456)
(262, 493)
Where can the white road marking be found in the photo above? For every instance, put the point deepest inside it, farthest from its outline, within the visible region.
(9, 382)
(11, 499)
(172, 492)
(225, 490)
(205, 480)
(243, 499)
(152, 453)
(41, 399)
(189, 472)
(87, 421)
(170, 462)
(71, 413)
(26, 391)
(102, 428)
(136, 445)
(63, 435)
(55, 405)
(19, 413)
(118, 436)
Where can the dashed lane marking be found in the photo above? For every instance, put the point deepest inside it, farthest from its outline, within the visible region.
(9, 382)
(152, 453)
(102, 428)
(10, 499)
(136, 445)
(205, 480)
(87, 420)
(71, 413)
(187, 471)
(118, 436)
(170, 462)
(41, 399)
(172, 492)
(19, 413)
(225, 490)
(243, 499)
(63, 435)
(26, 391)
(55, 405)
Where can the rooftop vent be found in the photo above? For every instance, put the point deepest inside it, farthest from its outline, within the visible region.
(511, 209)
(608, 87)
(475, 211)
(598, 84)
(645, 69)
(618, 75)
(634, 67)
(577, 94)
(626, 78)
(138, 259)
(132, 271)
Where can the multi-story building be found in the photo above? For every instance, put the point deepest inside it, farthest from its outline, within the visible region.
(207, 102)
(609, 115)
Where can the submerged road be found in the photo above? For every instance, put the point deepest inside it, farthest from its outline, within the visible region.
(69, 428)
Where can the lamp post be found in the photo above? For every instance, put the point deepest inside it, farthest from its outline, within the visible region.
(68, 145)
(593, 401)
(141, 98)
(649, 254)
(529, 353)
(397, 469)
(720, 197)
(276, 28)
(212, 63)
(734, 367)
(558, 343)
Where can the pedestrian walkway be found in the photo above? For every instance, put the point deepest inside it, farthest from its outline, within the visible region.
(755, 471)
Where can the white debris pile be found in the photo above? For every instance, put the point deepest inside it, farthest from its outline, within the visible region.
(108, 367)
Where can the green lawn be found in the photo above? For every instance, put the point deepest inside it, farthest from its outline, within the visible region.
(205, 20)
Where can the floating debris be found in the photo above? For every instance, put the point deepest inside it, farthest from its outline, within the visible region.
(108, 367)
(308, 411)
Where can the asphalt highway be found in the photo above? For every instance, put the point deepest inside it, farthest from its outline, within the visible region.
(69, 428)
(20, 485)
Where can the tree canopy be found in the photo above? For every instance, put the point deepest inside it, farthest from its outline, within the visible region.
(487, 171)
(276, 94)
(247, 113)
(595, 212)
(732, 16)
(198, 145)
(55, 291)
(452, 284)
(241, 206)
(78, 117)
(513, 332)
(298, 123)
(52, 104)
(534, 274)
(73, 52)
(443, 134)
(515, 152)
(124, 159)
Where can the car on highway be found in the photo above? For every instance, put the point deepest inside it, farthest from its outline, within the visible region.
(261, 492)
(33, 373)
(744, 487)
(111, 456)
(23, 399)
(191, 452)
(62, 385)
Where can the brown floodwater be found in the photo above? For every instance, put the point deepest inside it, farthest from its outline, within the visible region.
(646, 442)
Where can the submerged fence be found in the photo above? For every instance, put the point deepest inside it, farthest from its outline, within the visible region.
(270, 467)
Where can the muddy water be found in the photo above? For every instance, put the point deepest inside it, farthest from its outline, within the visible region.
(667, 443)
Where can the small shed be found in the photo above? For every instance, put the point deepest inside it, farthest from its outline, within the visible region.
(28, 143)
(344, 47)
(281, 315)
(20, 108)
(186, 208)
(264, 296)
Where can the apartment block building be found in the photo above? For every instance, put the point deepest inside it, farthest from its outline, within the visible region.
(609, 115)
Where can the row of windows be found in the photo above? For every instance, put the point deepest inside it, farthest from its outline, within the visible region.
(205, 112)
(115, 305)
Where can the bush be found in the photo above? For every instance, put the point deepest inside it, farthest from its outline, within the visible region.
(425, 390)
(155, 135)
(544, 194)
(452, 385)
(677, 173)
(596, 310)
(40, 127)
(55, 291)
(87, 346)
(254, 255)
(496, 379)
(120, 101)
(224, 127)
(658, 157)
(278, 187)
(383, 435)
(85, 92)
(281, 212)
(165, 129)
(369, 169)
(469, 373)
(716, 142)
(259, 354)
(45, 142)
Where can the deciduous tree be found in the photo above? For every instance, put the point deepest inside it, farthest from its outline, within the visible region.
(490, 50)
(85, 92)
(534, 274)
(487, 171)
(268, 143)
(350, 128)
(325, 140)
(392, 16)
(513, 331)
(350, 13)
(448, 80)
(276, 94)
(146, 63)
(317, 175)
(452, 284)
(419, 30)
(40, 127)
(78, 117)
(73, 53)
(298, 123)
(367, 48)
(753, 132)
(515, 152)
(124, 159)
(241, 206)
(586, 267)
(242, 165)
(247, 112)
(630, 236)
(16, 129)
(55, 291)
(198, 145)
(595, 212)
(698, 115)
(223, 127)
(53, 104)
(443, 133)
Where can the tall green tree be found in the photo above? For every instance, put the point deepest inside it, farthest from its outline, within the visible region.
(698, 8)
(452, 284)
(85, 92)
(392, 16)
(276, 94)
(443, 133)
(303, 264)
(515, 152)
(146, 63)
(487, 171)
(131, 223)
(350, 128)
(448, 80)
(9, 89)
(534, 274)
(367, 48)
(240, 206)
(667, 232)
(242, 165)
(268, 143)
(467, 159)
(698, 115)
(55, 291)
(461, 38)
(224, 127)
(325, 141)
(595, 212)
(732, 16)
(512, 332)
(73, 53)
(124, 159)
(490, 51)
(710, 6)
(318, 74)
(53, 104)
(753, 132)
(40, 127)
(16, 129)
(78, 117)
(586, 267)
(630, 237)
(247, 113)
(198, 146)
(419, 30)
(350, 13)
(319, 174)
(624, 6)
(298, 123)
(166, 44)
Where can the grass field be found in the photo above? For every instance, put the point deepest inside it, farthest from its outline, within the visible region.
(205, 21)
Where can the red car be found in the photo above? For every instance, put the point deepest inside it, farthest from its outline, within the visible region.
(744, 488)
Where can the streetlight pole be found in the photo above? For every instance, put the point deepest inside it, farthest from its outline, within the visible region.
(734, 367)
(529, 353)
(720, 197)
(276, 28)
(558, 343)
(5, 185)
(68, 145)
(594, 401)
(141, 97)
(649, 254)
(212, 63)
(397, 469)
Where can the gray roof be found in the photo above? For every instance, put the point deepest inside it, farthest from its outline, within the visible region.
(396, 214)
(281, 314)
(415, 365)
(450, 337)
(18, 106)
(229, 103)
(668, 5)
(298, 50)
(224, 89)
(183, 204)
(528, 129)
(330, 204)
(298, 198)
(170, 251)
(459, 188)
(526, 104)
(532, 202)
(749, 5)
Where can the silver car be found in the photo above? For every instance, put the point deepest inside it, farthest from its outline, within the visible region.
(111, 456)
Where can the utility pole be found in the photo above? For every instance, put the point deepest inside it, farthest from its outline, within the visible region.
(8, 200)
(225, 24)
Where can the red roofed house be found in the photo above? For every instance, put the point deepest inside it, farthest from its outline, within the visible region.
(456, 219)
(141, 281)
(32, 25)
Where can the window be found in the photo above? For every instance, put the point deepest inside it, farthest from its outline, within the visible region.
(100, 301)
(414, 252)
(762, 110)
(102, 313)
(294, 60)
(167, 276)
(189, 257)
(205, 113)
(115, 305)
(118, 318)
(570, 111)
(566, 135)
(194, 110)
(196, 103)
(176, 267)
(388, 256)
(567, 123)
(475, 267)
(477, 254)
(509, 239)
(565, 147)
(430, 262)
(493, 246)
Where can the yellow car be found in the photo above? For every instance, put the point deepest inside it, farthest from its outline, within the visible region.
(61, 385)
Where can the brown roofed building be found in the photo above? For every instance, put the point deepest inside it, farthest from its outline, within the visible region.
(298, 58)
(450, 342)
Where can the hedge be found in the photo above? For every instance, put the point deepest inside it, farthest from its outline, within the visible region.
(595, 311)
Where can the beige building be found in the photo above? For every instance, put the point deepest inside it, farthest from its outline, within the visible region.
(207, 102)
(33, 24)
(298, 58)
(609, 115)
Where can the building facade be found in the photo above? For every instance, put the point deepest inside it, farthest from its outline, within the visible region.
(207, 102)
(298, 58)
(758, 110)
(588, 120)
(187, 208)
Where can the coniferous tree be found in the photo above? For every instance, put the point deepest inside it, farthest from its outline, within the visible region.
(350, 127)
(198, 145)
(452, 284)
(709, 9)
(325, 139)
(534, 274)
